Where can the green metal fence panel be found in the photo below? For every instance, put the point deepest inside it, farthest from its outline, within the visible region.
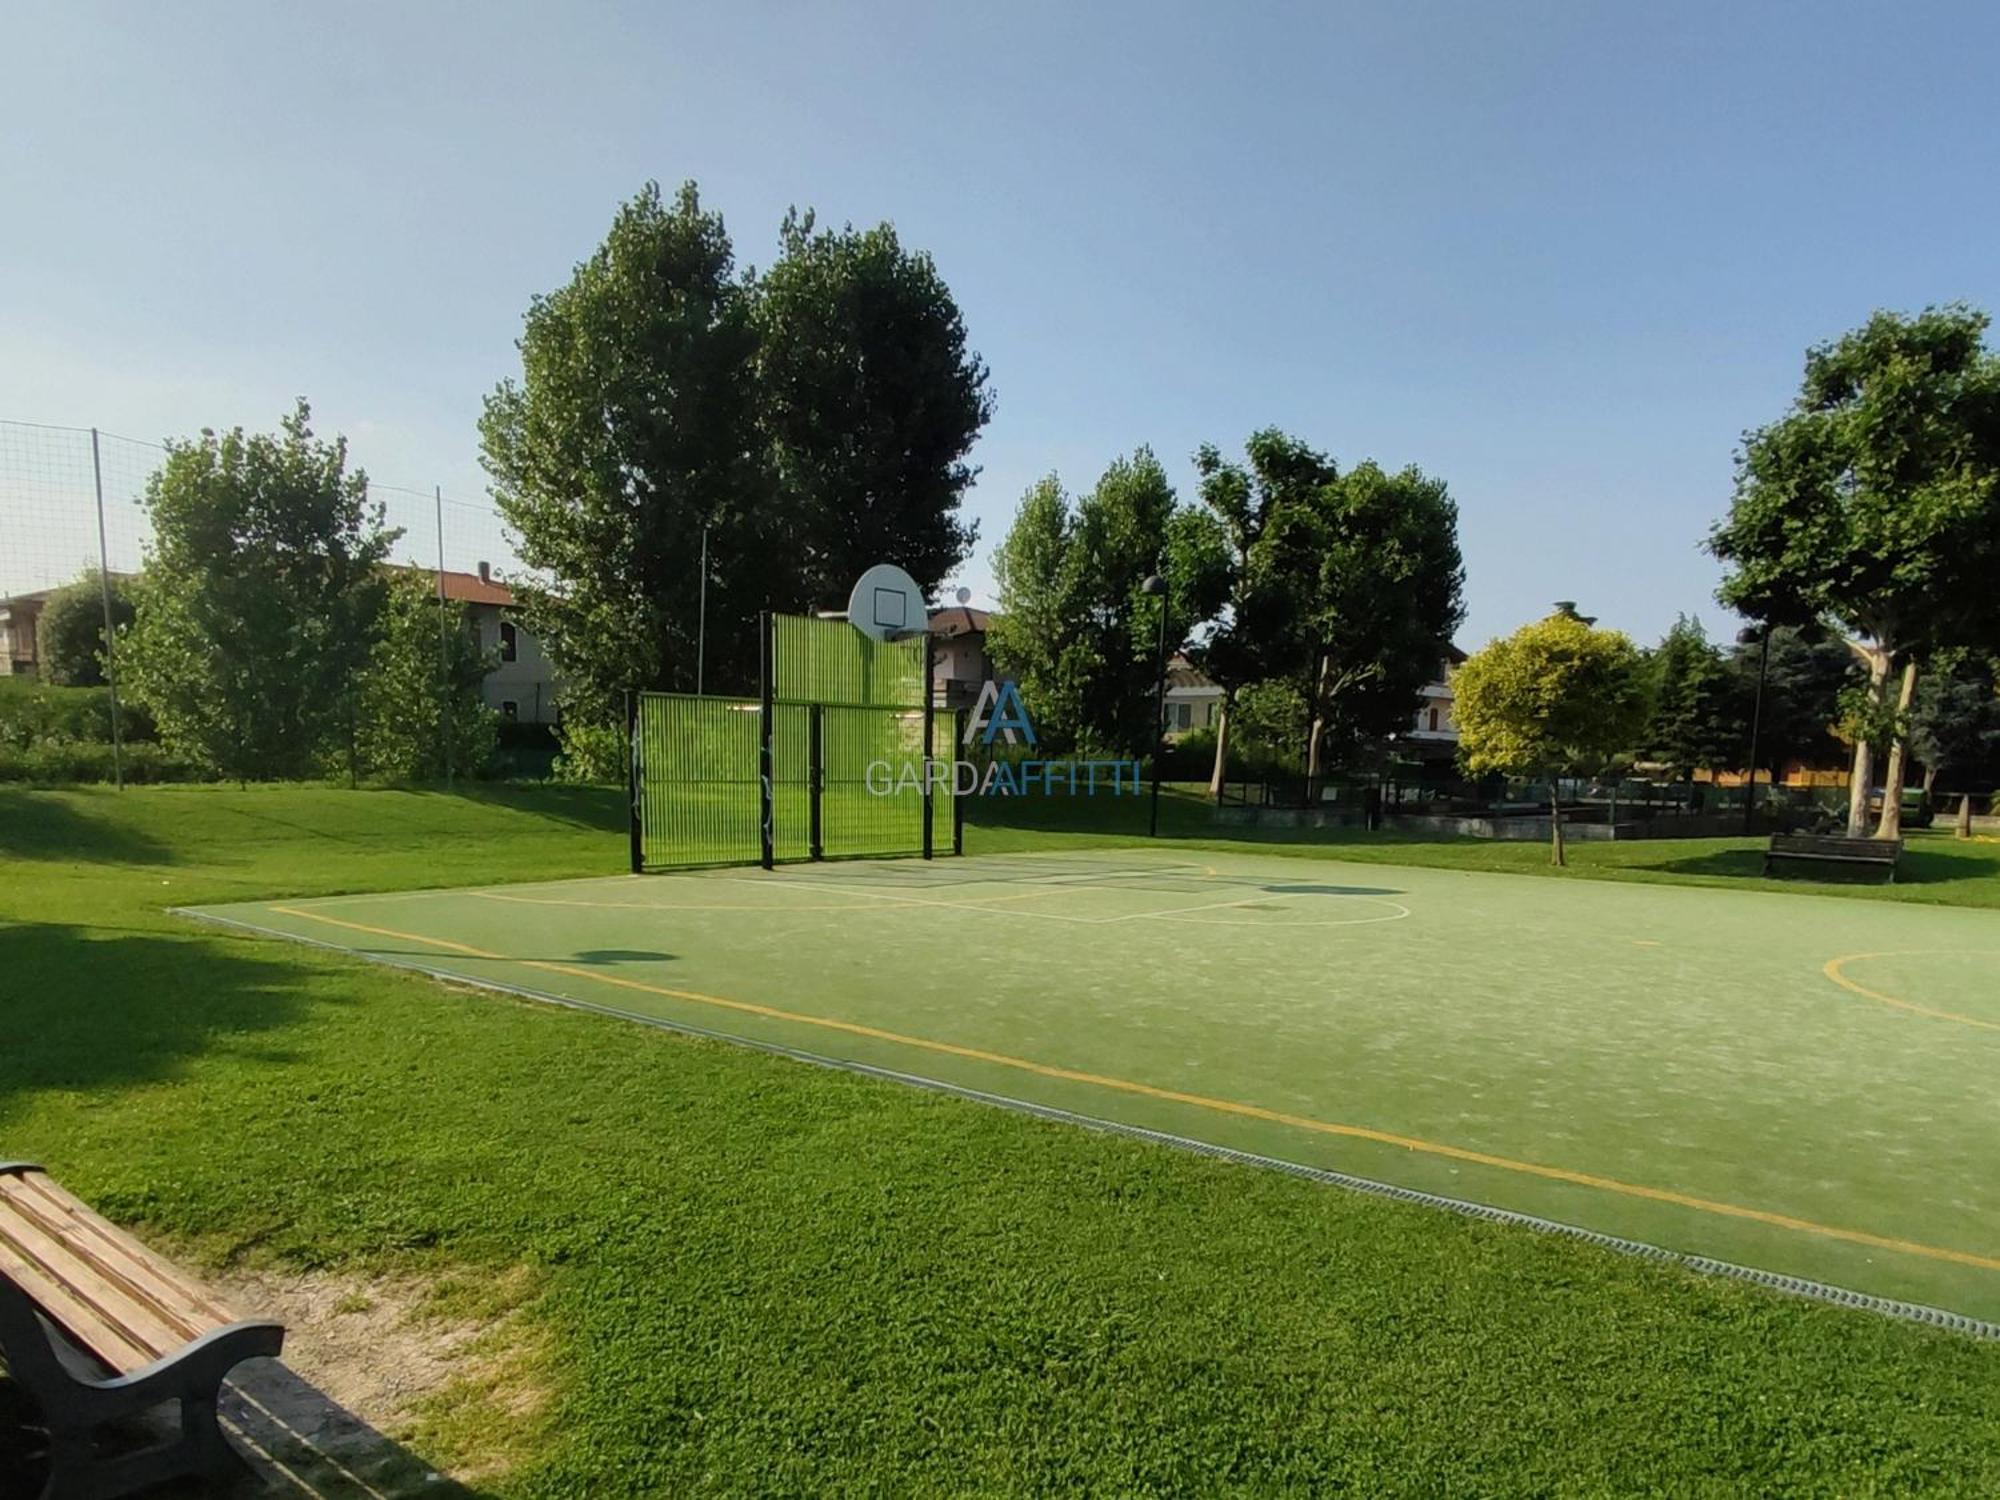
(847, 718)
(791, 781)
(697, 794)
(873, 801)
(829, 661)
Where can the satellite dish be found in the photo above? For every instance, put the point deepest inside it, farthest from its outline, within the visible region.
(886, 604)
(964, 596)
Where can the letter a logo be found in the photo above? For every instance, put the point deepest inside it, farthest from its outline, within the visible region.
(998, 712)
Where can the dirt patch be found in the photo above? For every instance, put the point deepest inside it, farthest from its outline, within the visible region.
(385, 1361)
(359, 1339)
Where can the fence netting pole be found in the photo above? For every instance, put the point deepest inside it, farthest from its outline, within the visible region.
(444, 642)
(110, 628)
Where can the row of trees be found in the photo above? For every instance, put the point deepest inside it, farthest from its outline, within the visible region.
(267, 637)
(1308, 593)
(796, 424)
(1706, 705)
(1865, 525)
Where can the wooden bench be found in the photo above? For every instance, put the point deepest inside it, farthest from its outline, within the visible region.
(96, 1329)
(1882, 853)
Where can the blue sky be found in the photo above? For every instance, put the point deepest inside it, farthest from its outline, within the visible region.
(1560, 255)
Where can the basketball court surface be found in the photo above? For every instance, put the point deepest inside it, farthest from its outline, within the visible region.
(1798, 1084)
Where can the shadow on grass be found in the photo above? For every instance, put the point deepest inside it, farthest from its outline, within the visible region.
(597, 807)
(291, 1437)
(1925, 866)
(44, 826)
(90, 1013)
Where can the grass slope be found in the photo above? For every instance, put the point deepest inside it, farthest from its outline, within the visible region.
(761, 1277)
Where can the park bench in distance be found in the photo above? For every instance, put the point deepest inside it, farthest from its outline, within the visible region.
(1829, 849)
(156, 1334)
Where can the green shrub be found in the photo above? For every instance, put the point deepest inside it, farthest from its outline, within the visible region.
(57, 763)
(591, 753)
(34, 713)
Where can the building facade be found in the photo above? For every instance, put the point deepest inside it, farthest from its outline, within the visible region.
(959, 663)
(1433, 732)
(522, 687)
(1194, 699)
(20, 642)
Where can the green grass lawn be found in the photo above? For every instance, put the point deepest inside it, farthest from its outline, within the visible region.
(1936, 869)
(750, 1275)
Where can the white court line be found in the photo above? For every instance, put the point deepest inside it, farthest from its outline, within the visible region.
(820, 888)
(1172, 914)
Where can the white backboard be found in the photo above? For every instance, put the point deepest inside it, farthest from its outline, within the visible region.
(887, 604)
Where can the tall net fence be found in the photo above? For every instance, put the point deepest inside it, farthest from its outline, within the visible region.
(73, 506)
(51, 478)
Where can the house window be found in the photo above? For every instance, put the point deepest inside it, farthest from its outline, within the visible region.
(1183, 715)
(509, 647)
(510, 710)
(1434, 719)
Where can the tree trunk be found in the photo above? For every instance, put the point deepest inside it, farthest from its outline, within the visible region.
(1860, 783)
(1556, 821)
(1930, 782)
(1218, 779)
(1317, 732)
(1891, 826)
(1965, 815)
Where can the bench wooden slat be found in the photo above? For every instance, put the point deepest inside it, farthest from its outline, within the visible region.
(138, 1309)
(103, 1308)
(78, 1318)
(1836, 848)
(98, 1239)
(107, 1291)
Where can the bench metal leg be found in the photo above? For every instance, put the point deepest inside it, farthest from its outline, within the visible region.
(75, 1409)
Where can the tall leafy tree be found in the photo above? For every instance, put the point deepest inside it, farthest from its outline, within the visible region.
(870, 399)
(70, 631)
(632, 427)
(1349, 586)
(1389, 594)
(1698, 720)
(419, 710)
(260, 600)
(1875, 501)
(810, 422)
(1282, 476)
(1030, 637)
(1076, 628)
(1556, 698)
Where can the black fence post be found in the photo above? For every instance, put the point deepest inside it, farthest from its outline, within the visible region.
(767, 686)
(634, 784)
(816, 773)
(930, 747)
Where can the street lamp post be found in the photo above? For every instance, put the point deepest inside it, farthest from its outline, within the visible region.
(1761, 634)
(1156, 586)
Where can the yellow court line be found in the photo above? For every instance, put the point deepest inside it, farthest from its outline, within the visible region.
(1198, 1101)
(1834, 971)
